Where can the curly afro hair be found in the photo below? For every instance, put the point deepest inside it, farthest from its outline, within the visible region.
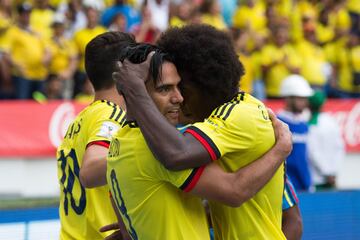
(206, 57)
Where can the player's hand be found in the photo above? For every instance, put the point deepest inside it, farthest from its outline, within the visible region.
(117, 235)
(130, 76)
(282, 134)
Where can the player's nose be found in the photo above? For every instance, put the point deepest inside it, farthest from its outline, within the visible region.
(177, 96)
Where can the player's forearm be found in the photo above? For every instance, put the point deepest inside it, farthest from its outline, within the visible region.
(251, 178)
(174, 150)
(94, 174)
(292, 225)
(217, 185)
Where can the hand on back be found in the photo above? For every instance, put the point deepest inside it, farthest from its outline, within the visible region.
(282, 134)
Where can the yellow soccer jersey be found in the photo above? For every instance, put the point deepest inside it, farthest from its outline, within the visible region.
(313, 62)
(240, 131)
(27, 50)
(62, 50)
(280, 58)
(151, 199)
(83, 211)
(82, 38)
(40, 21)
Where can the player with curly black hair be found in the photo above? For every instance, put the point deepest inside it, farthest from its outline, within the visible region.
(209, 63)
(236, 129)
(156, 190)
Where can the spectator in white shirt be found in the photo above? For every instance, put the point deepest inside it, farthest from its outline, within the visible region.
(325, 145)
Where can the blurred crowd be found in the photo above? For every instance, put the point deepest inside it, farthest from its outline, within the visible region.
(42, 42)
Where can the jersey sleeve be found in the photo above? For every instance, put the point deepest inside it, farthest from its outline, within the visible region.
(290, 198)
(107, 121)
(227, 130)
(184, 180)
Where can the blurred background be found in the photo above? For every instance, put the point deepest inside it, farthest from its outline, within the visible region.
(43, 85)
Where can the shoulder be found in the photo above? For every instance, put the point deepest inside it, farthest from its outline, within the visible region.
(240, 108)
(103, 117)
(239, 116)
(107, 110)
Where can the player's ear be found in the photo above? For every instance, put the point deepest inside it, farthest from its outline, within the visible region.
(115, 76)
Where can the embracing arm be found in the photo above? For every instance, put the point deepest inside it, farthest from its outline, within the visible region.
(174, 150)
(233, 189)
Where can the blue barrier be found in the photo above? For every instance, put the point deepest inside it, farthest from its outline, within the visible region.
(331, 215)
(28, 215)
(326, 215)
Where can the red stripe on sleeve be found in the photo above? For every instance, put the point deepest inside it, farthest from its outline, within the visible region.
(203, 142)
(99, 143)
(195, 179)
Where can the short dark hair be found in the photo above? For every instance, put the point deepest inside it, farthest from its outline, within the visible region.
(206, 57)
(101, 54)
(139, 53)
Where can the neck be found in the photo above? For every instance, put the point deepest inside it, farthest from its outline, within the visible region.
(111, 95)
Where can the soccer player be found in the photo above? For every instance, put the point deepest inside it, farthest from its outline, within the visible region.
(83, 151)
(236, 126)
(146, 192)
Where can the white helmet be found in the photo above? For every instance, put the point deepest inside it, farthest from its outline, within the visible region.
(295, 86)
(95, 4)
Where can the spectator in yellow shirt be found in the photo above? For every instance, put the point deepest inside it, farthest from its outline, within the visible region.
(278, 59)
(345, 57)
(6, 87)
(182, 14)
(81, 38)
(314, 67)
(240, 38)
(41, 18)
(250, 15)
(211, 14)
(29, 55)
(334, 21)
(64, 56)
